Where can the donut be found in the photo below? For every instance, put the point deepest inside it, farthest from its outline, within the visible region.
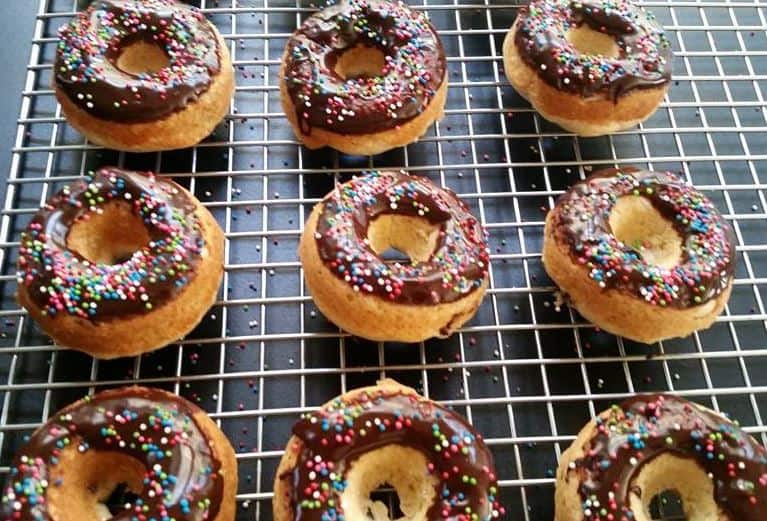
(385, 434)
(363, 77)
(120, 263)
(133, 453)
(653, 443)
(142, 75)
(591, 67)
(431, 294)
(640, 254)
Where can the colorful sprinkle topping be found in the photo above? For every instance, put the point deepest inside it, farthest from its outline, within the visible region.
(60, 280)
(582, 220)
(413, 71)
(181, 481)
(90, 45)
(332, 438)
(630, 435)
(458, 266)
(644, 58)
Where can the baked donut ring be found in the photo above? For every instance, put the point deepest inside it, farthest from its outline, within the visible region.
(640, 254)
(120, 263)
(433, 294)
(131, 454)
(363, 77)
(652, 443)
(592, 67)
(143, 75)
(434, 459)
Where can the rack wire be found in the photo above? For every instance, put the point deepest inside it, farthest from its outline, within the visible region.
(526, 372)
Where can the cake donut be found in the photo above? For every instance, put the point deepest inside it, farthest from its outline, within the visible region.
(640, 254)
(120, 263)
(385, 434)
(363, 77)
(142, 75)
(591, 67)
(652, 443)
(431, 294)
(133, 453)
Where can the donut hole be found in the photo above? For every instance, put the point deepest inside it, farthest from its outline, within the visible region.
(109, 237)
(667, 506)
(394, 255)
(668, 475)
(360, 61)
(140, 57)
(639, 225)
(121, 496)
(589, 41)
(83, 490)
(386, 495)
(405, 472)
(414, 237)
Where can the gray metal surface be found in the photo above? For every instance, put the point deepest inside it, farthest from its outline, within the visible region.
(526, 373)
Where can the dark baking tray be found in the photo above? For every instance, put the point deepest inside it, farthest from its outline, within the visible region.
(526, 373)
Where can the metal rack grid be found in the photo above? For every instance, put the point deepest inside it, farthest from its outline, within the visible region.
(526, 373)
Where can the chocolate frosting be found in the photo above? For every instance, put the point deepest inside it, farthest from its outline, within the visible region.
(337, 435)
(646, 426)
(644, 59)
(581, 220)
(158, 429)
(457, 267)
(414, 70)
(86, 68)
(60, 280)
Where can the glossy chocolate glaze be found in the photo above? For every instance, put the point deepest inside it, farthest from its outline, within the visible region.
(457, 267)
(414, 71)
(60, 280)
(342, 432)
(581, 220)
(191, 488)
(647, 426)
(86, 68)
(645, 52)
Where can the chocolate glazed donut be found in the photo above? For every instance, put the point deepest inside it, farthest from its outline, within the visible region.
(592, 67)
(645, 52)
(372, 113)
(641, 254)
(431, 294)
(114, 100)
(60, 280)
(342, 232)
(119, 263)
(652, 443)
(438, 464)
(167, 452)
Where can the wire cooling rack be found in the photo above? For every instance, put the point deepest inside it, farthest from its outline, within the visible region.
(525, 372)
